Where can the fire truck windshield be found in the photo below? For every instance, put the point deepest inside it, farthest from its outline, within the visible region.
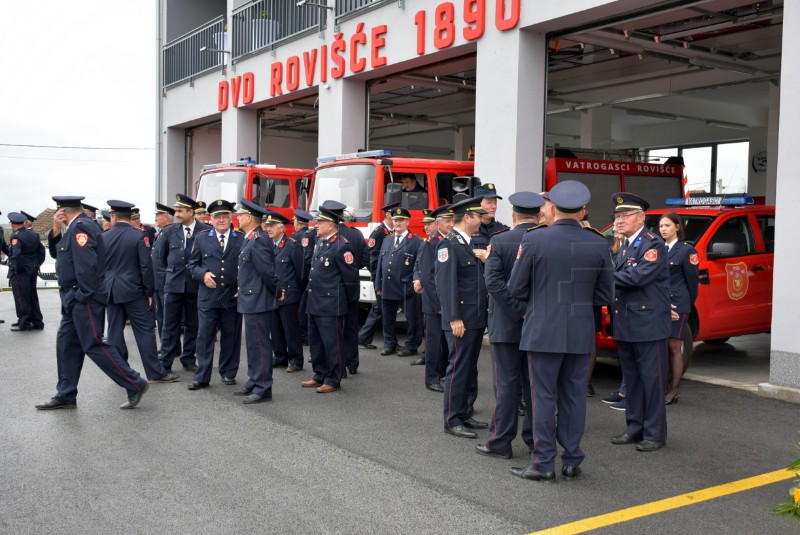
(350, 184)
(228, 185)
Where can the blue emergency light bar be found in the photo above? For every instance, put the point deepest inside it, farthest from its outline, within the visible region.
(733, 200)
(241, 163)
(353, 155)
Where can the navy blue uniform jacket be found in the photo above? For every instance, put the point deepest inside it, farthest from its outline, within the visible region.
(562, 273)
(374, 247)
(208, 256)
(289, 268)
(26, 253)
(394, 277)
(333, 281)
(129, 268)
(505, 311)
(683, 272)
(258, 285)
(641, 296)
(425, 272)
(459, 281)
(81, 263)
(159, 269)
(174, 260)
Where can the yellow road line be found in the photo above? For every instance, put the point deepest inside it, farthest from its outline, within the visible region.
(647, 509)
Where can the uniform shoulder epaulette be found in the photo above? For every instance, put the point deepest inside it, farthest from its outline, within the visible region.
(592, 229)
(534, 228)
(650, 236)
(344, 239)
(256, 235)
(291, 239)
(500, 231)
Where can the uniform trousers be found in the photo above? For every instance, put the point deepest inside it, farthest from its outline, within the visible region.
(462, 364)
(644, 371)
(557, 382)
(436, 351)
(179, 307)
(367, 332)
(23, 286)
(79, 335)
(287, 345)
(511, 380)
(158, 310)
(351, 336)
(36, 311)
(411, 308)
(302, 317)
(140, 314)
(326, 342)
(257, 329)
(229, 323)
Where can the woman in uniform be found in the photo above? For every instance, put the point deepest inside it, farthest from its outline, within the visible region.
(683, 282)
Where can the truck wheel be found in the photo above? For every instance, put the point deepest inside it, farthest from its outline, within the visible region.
(717, 341)
(687, 347)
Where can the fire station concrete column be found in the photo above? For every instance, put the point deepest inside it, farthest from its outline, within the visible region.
(510, 104)
(773, 141)
(784, 368)
(596, 128)
(239, 134)
(173, 172)
(342, 117)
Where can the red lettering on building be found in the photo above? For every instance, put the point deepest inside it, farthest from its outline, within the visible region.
(275, 79)
(292, 73)
(310, 65)
(475, 17)
(502, 22)
(236, 83)
(378, 42)
(249, 87)
(222, 96)
(339, 45)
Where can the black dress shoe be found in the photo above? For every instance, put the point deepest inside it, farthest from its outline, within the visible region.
(419, 362)
(570, 472)
(135, 398)
(483, 450)
(168, 378)
(352, 370)
(459, 431)
(649, 445)
(624, 438)
(279, 364)
(436, 387)
(386, 352)
(195, 385)
(56, 403)
(229, 381)
(293, 368)
(38, 327)
(471, 423)
(20, 328)
(367, 346)
(255, 398)
(190, 367)
(407, 352)
(529, 472)
(243, 392)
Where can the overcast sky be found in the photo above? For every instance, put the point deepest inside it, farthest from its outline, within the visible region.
(80, 74)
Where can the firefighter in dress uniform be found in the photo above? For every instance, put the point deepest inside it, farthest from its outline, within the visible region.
(394, 283)
(332, 286)
(489, 225)
(214, 265)
(180, 289)
(367, 331)
(80, 265)
(642, 323)
(164, 215)
(509, 363)
(462, 293)
(425, 282)
(129, 286)
(301, 220)
(257, 302)
(563, 272)
(286, 344)
(26, 254)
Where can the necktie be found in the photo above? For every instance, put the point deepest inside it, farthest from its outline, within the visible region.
(189, 241)
(396, 242)
(222, 240)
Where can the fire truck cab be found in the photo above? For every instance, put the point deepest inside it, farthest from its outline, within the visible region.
(279, 189)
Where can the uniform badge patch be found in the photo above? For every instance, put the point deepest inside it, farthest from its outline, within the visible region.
(693, 259)
(443, 255)
(519, 251)
(371, 242)
(81, 238)
(147, 241)
(489, 249)
(348, 257)
(651, 255)
(14, 241)
(304, 242)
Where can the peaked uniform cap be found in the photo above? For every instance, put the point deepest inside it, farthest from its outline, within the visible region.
(68, 201)
(624, 201)
(220, 206)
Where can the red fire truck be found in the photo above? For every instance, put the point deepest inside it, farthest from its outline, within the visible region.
(279, 189)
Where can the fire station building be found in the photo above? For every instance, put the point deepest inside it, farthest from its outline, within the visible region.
(509, 83)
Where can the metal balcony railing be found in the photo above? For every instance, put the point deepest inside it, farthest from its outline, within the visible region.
(344, 8)
(263, 23)
(183, 59)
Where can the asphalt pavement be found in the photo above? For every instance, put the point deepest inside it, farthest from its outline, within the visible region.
(371, 458)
